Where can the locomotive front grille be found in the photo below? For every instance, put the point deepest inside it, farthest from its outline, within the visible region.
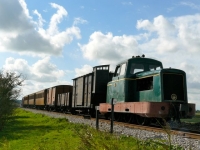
(173, 87)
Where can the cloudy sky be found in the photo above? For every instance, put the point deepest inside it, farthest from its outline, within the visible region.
(52, 42)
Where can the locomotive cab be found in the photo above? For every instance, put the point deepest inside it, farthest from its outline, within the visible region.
(131, 77)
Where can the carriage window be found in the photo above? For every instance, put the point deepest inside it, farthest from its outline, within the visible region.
(136, 68)
(123, 69)
(154, 67)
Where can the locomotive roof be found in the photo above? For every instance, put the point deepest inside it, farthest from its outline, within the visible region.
(142, 60)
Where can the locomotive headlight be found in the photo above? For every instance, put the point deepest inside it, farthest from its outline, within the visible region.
(174, 97)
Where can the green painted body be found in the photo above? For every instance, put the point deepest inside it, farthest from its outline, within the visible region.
(148, 85)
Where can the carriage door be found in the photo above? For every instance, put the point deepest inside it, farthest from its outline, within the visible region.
(50, 97)
(54, 96)
(119, 81)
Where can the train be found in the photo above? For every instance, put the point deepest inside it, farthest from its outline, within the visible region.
(140, 90)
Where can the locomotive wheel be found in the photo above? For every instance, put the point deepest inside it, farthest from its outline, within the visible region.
(128, 118)
(107, 116)
(161, 122)
(132, 119)
(142, 120)
(117, 116)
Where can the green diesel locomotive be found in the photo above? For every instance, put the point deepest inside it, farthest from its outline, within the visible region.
(143, 91)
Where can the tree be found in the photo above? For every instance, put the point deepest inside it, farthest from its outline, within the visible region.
(9, 92)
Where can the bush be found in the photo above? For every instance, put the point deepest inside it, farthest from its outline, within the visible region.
(9, 92)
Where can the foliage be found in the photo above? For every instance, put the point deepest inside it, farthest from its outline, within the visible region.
(39, 132)
(9, 92)
(195, 119)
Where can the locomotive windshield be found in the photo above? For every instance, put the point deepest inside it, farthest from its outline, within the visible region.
(136, 68)
(139, 67)
(154, 67)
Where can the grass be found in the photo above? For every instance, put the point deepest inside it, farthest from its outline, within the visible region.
(28, 131)
(36, 131)
(195, 119)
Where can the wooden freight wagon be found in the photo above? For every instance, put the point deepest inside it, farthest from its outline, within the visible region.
(64, 103)
(89, 90)
(52, 95)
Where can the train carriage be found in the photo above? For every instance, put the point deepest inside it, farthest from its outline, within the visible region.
(52, 96)
(90, 90)
(40, 99)
(65, 102)
(31, 100)
(25, 101)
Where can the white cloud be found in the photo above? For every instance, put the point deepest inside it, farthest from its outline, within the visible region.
(40, 19)
(171, 35)
(79, 21)
(191, 5)
(127, 3)
(170, 9)
(20, 33)
(41, 71)
(161, 34)
(193, 73)
(108, 49)
(16, 20)
(56, 19)
(41, 74)
(84, 70)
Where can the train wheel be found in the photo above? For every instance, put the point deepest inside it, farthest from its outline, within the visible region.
(128, 118)
(132, 119)
(117, 116)
(142, 120)
(163, 122)
(107, 116)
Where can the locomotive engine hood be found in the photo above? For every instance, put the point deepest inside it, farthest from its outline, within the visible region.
(174, 85)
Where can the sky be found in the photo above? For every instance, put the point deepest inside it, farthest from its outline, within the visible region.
(52, 42)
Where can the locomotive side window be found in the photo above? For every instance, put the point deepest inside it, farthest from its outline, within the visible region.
(154, 67)
(123, 69)
(145, 84)
(117, 71)
(136, 68)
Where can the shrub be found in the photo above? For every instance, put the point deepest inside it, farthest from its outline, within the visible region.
(9, 92)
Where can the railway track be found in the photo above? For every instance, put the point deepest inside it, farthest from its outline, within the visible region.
(175, 131)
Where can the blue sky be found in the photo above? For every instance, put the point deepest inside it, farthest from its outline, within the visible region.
(52, 42)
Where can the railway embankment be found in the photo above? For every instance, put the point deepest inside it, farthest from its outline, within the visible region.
(168, 137)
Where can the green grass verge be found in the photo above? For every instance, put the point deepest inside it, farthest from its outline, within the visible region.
(29, 131)
(195, 119)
